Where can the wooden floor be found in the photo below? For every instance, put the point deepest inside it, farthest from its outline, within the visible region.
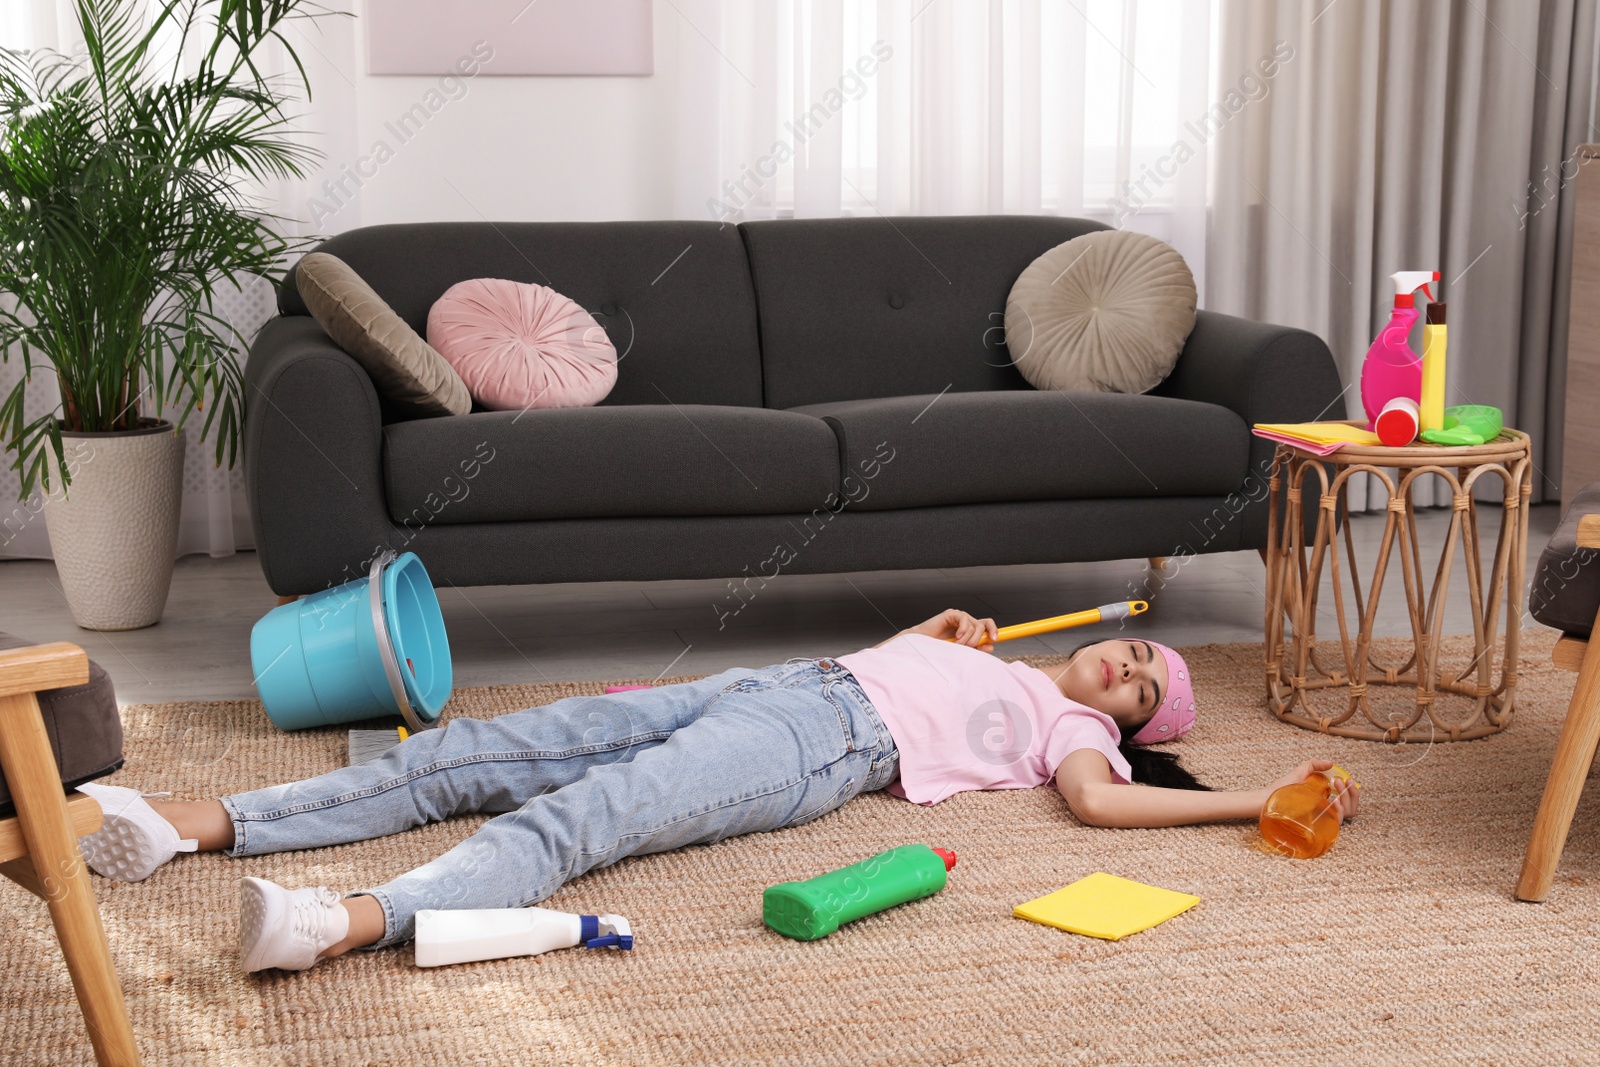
(612, 630)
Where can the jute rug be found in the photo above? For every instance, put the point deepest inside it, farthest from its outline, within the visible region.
(1402, 946)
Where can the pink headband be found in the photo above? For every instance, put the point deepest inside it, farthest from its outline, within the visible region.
(1175, 717)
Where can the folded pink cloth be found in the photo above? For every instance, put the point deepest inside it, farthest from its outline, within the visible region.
(520, 346)
(1302, 445)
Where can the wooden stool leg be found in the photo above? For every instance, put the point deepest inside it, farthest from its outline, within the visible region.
(30, 769)
(1580, 734)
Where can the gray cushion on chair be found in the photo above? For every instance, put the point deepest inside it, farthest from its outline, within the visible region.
(84, 727)
(1566, 584)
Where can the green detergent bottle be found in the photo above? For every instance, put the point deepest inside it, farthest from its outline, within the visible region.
(816, 908)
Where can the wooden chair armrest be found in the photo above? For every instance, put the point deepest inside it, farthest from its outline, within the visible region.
(1589, 531)
(36, 667)
(53, 866)
(1569, 651)
(83, 812)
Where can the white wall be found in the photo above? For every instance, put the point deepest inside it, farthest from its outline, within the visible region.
(496, 147)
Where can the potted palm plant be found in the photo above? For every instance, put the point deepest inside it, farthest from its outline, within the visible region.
(128, 171)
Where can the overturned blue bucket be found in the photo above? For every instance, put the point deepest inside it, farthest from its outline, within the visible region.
(368, 648)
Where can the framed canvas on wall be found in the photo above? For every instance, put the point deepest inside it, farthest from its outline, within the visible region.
(563, 37)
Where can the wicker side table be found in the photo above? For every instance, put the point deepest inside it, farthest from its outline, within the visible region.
(1316, 690)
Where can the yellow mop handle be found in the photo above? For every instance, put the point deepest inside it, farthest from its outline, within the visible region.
(1104, 613)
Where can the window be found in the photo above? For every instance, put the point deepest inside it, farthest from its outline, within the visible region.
(941, 106)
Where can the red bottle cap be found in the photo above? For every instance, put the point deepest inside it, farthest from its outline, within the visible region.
(948, 857)
(1396, 425)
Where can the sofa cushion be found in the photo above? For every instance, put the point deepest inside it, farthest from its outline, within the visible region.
(869, 307)
(983, 447)
(1106, 312)
(637, 460)
(84, 728)
(674, 297)
(1566, 583)
(520, 345)
(403, 367)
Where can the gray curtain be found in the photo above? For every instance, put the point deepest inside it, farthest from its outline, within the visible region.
(1408, 136)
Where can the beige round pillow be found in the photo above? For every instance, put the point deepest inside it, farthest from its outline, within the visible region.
(1107, 312)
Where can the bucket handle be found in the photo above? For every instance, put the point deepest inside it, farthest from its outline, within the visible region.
(380, 628)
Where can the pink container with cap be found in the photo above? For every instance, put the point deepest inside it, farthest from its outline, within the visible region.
(1392, 369)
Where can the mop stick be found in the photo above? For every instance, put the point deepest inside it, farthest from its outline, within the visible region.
(1104, 613)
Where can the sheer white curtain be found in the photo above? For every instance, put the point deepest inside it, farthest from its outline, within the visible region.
(811, 108)
(215, 518)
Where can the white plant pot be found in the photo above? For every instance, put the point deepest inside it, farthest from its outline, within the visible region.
(114, 531)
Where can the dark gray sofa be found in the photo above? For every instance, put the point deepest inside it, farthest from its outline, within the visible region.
(793, 396)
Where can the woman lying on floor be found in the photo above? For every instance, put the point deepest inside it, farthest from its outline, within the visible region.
(588, 780)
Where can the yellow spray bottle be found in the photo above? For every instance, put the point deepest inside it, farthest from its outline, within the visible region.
(1435, 334)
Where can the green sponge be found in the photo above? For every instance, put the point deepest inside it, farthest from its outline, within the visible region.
(1467, 424)
(1451, 435)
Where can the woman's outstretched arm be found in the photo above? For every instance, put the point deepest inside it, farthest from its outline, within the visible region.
(954, 623)
(1084, 779)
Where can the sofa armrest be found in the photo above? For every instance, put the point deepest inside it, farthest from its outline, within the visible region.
(1263, 373)
(313, 447)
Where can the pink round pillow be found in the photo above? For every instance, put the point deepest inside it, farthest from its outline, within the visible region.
(519, 345)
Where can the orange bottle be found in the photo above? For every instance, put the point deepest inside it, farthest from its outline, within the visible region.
(1298, 820)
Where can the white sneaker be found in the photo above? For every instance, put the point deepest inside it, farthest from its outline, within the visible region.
(133, 841)
(287, 928)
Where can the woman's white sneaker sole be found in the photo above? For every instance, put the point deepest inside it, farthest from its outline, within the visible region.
(287, 928)
(121, 851)
(132, 840)
(258, 912)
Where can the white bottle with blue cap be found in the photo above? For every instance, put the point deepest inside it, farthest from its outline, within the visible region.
(446, 937)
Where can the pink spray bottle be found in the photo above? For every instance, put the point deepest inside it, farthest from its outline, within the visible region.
(1392, 369)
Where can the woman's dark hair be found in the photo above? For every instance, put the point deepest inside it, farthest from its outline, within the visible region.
(1150, 767)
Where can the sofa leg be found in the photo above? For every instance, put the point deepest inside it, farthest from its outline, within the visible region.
(1580, 734)
(1155, 576)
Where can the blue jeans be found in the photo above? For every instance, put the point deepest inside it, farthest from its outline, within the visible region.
(587, 780)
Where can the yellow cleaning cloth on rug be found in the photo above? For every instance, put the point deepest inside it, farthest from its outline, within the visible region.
(1103, 905)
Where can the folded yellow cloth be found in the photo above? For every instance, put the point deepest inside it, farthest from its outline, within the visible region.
(1103, 905)
(1322, 433)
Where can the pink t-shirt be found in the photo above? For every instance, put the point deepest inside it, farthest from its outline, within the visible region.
(966, 719)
